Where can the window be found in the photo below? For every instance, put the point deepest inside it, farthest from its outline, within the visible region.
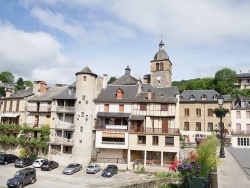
(84, 78)
(186, 126)
(198, 126)
(157, 66)
(81, 129)
(119, 94)
(121, 108)
(82, 114)
(5, 105)
(209, 126)
(80, 141)
(143, 106)
(186, 111)
(161, 66)
(243, 141)
(203, 97)
(141, 139)
(238, 114)
(247, 128)
(210, 112)
(155, 140)
(238, 128)
(83, 97)
(17, 105)
(106, 107)
(110, 138)
(169, 141)
(248, 114)
(10, 109)
(198, 112)
(164, 107)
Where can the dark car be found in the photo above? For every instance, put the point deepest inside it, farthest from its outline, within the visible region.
(23, 162)
(7, 158)
(23, 177)
(110, 170)
(49, 165)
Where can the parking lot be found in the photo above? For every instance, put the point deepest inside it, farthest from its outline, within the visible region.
(55, 178)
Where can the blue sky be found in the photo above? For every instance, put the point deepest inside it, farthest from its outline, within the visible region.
(51, 40)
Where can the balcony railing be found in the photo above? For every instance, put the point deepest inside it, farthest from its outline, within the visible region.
(62, 141)
(155, 130)
(112, 127)
(64, 126)
(65, 108)
(240, 131)
(40, 109)
(36, 124)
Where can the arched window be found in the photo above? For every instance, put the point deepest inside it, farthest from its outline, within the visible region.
(161, 66)
(157, 66)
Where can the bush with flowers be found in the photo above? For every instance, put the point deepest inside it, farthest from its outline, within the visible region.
(201, 161)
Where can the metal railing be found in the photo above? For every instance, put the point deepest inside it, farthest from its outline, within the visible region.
(40, 109)
(155, 130)
(240, 131)
(109, 160)
(65, 108)
(62, 141)
(64, 126)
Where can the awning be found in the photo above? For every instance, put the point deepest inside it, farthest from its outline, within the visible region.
(137, 117)
(113, 135)
(12, 115)
(113, 114)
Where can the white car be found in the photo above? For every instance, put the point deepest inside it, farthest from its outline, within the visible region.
(38, 162)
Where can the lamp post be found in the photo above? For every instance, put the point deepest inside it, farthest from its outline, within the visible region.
(222, 152)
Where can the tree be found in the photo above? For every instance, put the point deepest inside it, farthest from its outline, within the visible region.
(20, 84)
(28, 83)
(7, 77)
(224, 81)
(112, 79)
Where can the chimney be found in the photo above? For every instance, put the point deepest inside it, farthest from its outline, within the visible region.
(43, 87)
(8, 92)
(139, 86)
(150, 96)
(105, 81)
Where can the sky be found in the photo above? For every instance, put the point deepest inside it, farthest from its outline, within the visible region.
(51, 40)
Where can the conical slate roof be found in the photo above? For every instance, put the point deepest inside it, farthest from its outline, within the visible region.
(161, 54)
(86, 70)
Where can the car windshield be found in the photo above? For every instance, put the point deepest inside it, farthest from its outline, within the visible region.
(1, 157)
(71, 166)
(91, 167)
(45, 163)
(18, 173)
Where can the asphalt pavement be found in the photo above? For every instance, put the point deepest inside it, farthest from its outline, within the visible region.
(234, 170)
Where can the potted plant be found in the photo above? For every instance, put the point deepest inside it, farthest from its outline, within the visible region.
(196, 168)
(220, 112)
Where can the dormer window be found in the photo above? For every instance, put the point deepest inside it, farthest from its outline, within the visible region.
(215, 97)
(119, 94)
(191, 97)
(203, 97)
(180, 97)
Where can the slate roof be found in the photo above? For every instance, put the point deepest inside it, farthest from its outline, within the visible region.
(161, 54)
(137, 117)
(159, 95)
(21, 94)
(197, 96)
(86, 70)
(66, 93)
(113, 114)
(126, 79)
(49, 94)
(6, 85)
(239, 100)
(109, 93)
(244, 75)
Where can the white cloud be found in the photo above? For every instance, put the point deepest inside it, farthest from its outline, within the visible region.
(33, 56)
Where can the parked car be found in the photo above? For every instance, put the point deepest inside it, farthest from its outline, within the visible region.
(110, 170)
(23, 162)
(38, 162)
(7, 158)
(22, 177)
(49, 165)
(72, 168)
(93, 168)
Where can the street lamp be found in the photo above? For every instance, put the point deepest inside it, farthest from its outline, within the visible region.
(222, 152)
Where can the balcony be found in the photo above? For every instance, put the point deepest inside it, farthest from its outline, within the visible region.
(62, 141)
(155, 130)
(65, 126)
(241, 132)
(40, 109)
(65, 109)
(112, 127)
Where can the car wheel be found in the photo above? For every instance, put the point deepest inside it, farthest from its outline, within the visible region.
(33, 181)
(20, 185)
(50, 169)
(5, 162)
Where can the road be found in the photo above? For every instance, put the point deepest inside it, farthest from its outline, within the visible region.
(56, 179)
(242, 156)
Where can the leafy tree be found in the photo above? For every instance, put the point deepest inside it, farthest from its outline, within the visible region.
(112, 79)
(28, 83)
(7, 77)
(224, 81)
(20, 84)
(2, 92)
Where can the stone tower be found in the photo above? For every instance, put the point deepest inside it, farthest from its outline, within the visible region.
(161, 69)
